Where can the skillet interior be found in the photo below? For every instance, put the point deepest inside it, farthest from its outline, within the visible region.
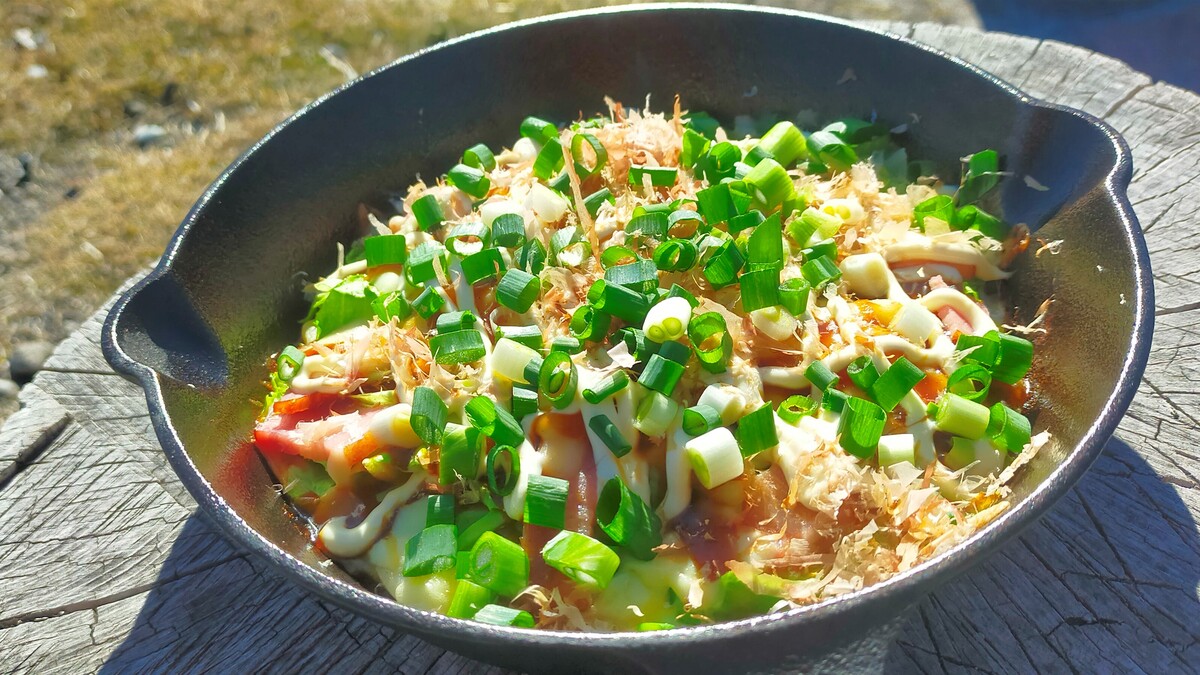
(226, 295)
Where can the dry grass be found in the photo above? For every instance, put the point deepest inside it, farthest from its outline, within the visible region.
(217, 74)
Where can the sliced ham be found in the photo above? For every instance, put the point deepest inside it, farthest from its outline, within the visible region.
(954, 321)
(310, 433)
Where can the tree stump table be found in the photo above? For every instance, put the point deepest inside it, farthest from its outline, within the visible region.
(105, 564)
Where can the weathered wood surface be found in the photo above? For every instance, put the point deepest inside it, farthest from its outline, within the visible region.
(105, 564)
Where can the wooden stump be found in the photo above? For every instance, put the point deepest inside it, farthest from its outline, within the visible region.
(105, 563)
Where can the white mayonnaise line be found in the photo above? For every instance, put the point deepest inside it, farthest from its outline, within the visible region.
(350, 542)
(632, 469)
(954, 299)
(679, 472)
(463, 292)
(957, 253)
(531, 465)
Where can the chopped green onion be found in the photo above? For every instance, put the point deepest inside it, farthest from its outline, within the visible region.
(678, 291)
(794, 407)
(508, 230)
(715, 457)
(530, 336)
(499, 615)
(675, 255)
(546, 501)
(428, 212)
(467, 238)
(819, 375)
(617, 255)
(971, 381)
(760, 289)
(821, 271)
(834, 400)
(577, 155)
(549, 160)
(700, 419)
(772, 184)
(863, 373)
(956, 415)
(715, 203)
(895, 383)
(710, 337)
(655, 414)
(627, 520)
(667, 320)
(980, 175)
(387, 249)
(486, 264)
(582, 559)
(460, 346)
(961, 454)
(719, 161)
(593, 201)
(558, 379)
(722, 267)
(472, 525)
(1016, 356)
(648, 223)
(480, 157)
(468, 598)
(756, 431)
(429, 302)
(524, 402)
(635, 341)
(498, 565)
(660, 176)
(439, 510)
(566, 344)
(825, 248)
(423, 260)
(982, 349)
(831, 150)
(784, 142)
(897, 448)
(288, 363)
(793, 295)
(627, 305)
(503, 469)
(860, 426)
(661, 375)
(517, 290)
(813, 221)
(606, 387)
(640, 276)
(765, 246)
(589, 324)
(431, 550)
(745, 221)
(675, 351)
(493, 421)
(693, 148)
(460, 452)
(470, 180)
(538, 130)
(940, 207)
(391, 306)
(1008, 429)
(610, 435)
(429, 415)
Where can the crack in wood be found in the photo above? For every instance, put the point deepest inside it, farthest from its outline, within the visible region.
(93, 604)
(28, 455)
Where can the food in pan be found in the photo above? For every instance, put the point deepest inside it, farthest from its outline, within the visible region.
(645, 371)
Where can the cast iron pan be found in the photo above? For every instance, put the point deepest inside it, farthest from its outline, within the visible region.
(196, 332)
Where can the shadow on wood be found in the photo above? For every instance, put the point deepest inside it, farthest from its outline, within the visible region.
(1121, 544)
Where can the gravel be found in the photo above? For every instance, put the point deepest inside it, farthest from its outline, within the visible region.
(27, 358)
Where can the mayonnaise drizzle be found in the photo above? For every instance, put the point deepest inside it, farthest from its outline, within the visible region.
(343, 541)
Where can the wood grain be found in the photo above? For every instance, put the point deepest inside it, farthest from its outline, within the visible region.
(104, 562)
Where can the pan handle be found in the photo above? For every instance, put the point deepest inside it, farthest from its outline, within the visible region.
(154, 330)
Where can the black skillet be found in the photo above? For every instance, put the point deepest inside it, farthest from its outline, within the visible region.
(196, 332)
